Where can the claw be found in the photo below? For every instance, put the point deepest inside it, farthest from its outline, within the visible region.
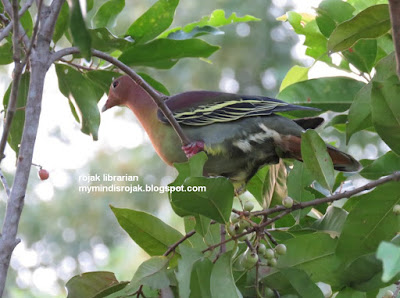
(193, 148)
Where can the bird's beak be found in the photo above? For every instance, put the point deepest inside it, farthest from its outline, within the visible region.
(105, 107)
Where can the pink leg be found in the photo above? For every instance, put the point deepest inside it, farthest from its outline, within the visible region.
(193, 148)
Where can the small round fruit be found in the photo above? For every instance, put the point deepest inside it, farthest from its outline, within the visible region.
(388, 294)
(396, 209)
(248, 206)
(280, 249)
(287, 202)
(238, 228)
(262, 249)
(235, 218)
(269, 292)
(43, 174)
(244, 224)
(272, 262)
(231, 230)
(250, 260)
(269, 254)
(244, 237)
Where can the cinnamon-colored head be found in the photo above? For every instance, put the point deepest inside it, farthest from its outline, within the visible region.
(120, 90)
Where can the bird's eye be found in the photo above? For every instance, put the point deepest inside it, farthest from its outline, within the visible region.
(115, 84)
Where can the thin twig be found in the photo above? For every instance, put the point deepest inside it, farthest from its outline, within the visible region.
(4, 33)
(270, 237)
(77, 66)
(394, 7)
(157, 97)
(223, 233)
(22, 35)
(5, 184)
(396, 292)
(393, 177)
(338, 196)
(176, 244)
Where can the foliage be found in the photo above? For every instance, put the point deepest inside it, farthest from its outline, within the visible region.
(340, 245)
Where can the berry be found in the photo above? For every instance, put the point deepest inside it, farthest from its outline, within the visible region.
(388, 294)
(262, 249)
(231, 230)
(272, 262)
(396, 209)
(280, 249)
(250, 260)
(269, 254)
(43, 174)
(248, 206)
(269, 292)
(244, 224)
(235, 218)
(287, 202)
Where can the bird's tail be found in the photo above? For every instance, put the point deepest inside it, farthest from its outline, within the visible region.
(290, 147)
(342, 161)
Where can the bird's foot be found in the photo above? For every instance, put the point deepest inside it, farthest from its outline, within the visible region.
(193, 148)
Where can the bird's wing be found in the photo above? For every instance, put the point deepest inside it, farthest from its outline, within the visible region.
(198, 108)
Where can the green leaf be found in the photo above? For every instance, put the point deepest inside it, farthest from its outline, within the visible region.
(165, 53)
(383, 166)
(93, 284)
(152, 273)
(312, 253)
(27, 23)
(17, 125)
(6, 54)
(222, 281)
(215, 203)
(370, 23)
(351, 293)
(153, 22)
(80, 35)
(216, 19)
(194, 168)
(360, 112)
(150, 233)
(83, 95)
(369, 222)
(195, 32)
(302, 283)
(202, 224)
(338, 122)
(317, 159)
(257, 186)
(364, 273)
(107, 13)
(315, 42)
(104, 40)
(200, 279)
(386, 111)
(332, 222)
(390, 256)
(335, 94)
(294, 75)
(154, 83)
(102, 78)
(331, 13)
(62, 23)
(362, 55)
(363, 4)
(299, 178)
(185, 265)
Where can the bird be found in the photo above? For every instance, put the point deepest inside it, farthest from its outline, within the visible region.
(239, 133)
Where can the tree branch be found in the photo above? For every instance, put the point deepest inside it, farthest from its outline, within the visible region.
(394, 7)
(176, 244)
(39, 67)
(5, 184)
(9, 9)
(4, 33)
(347, 194)
(157, 97)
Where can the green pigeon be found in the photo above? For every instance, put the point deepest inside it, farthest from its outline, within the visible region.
(239, 133)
